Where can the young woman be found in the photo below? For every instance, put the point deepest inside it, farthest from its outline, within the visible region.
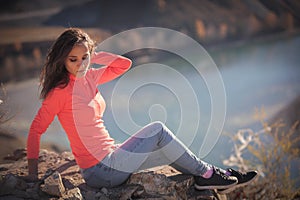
(69, 91)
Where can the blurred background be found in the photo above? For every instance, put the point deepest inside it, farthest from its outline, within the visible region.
(254, 43)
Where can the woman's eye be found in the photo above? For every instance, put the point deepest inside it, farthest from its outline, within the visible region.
(73, 60)
(84, 58)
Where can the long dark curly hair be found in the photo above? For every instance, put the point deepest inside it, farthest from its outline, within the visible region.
(54, 73)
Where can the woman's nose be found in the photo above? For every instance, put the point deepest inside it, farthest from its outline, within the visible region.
(79, 63)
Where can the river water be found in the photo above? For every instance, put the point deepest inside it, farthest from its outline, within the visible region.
(261, 74)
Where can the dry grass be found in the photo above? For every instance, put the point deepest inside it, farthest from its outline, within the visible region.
(270, 151)
(5, 113)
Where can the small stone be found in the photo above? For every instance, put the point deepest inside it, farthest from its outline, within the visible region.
(68, 156)
(183, 183)
(3, 169)
(90, 195)
(103, 198)
(20, 153)
(48, 173)
(104, 190)
(128, 191)
(99, 194)
(69, 183)
(53, 185)
(73, 194)
(11, 183)
(32, 193)
(103, 195)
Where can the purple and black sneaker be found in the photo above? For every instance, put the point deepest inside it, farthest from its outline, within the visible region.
(218, 180)
(243, 178)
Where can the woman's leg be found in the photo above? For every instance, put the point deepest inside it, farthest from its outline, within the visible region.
(156, 145)
(153, 145)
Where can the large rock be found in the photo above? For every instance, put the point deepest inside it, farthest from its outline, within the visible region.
(60, 178)
(53, 185)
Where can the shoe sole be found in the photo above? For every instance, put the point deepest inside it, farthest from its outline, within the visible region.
(225, 191)
(211, 187)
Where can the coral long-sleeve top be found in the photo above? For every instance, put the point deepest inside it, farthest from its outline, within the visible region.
(79, 107)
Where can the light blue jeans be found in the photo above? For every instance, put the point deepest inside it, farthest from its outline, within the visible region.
(153, 145)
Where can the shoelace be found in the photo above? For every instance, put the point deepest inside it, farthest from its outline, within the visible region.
(237, 173)
(220, 172)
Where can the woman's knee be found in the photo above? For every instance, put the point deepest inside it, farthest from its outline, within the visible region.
(155, 128)
(158, 125)
(162, 128)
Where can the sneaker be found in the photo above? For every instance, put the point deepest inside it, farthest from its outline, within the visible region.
(218, 180)
(243, 179)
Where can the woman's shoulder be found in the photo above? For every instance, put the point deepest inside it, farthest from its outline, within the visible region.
(60, 91)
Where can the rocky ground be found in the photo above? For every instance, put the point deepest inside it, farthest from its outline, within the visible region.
(60, 178)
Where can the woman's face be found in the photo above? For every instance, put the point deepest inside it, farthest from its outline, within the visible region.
(78, 60)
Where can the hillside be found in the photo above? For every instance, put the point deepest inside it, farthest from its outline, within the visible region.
(28, 29)
(204, 20)
(208, 21)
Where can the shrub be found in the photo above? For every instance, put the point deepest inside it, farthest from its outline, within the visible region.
(5, 114)
(270, 151)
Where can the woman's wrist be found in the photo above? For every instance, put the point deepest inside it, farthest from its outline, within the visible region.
(33, 167)
(105, 58)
